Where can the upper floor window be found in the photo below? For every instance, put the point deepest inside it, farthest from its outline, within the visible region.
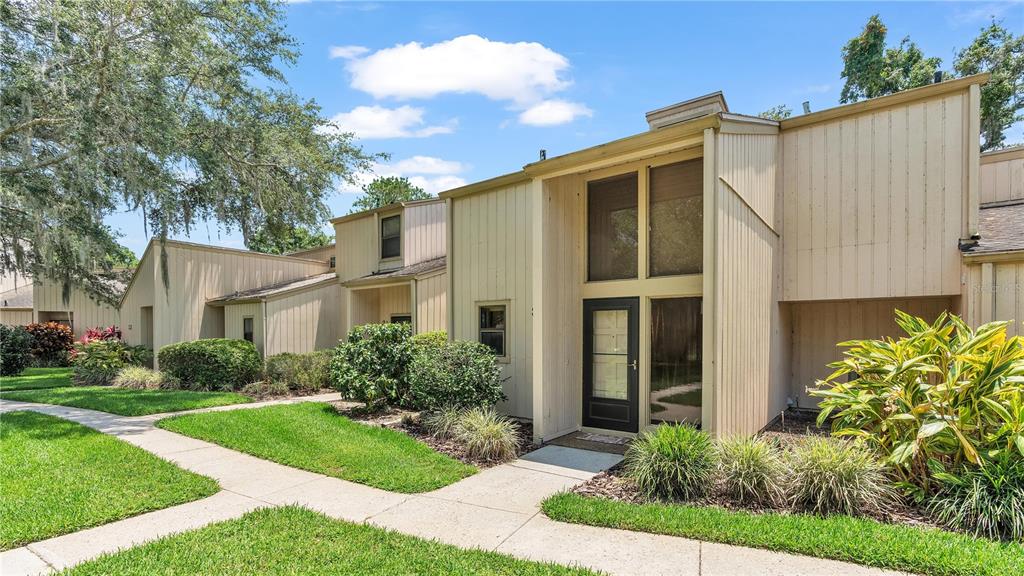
(612, 228)
(676, 218)
(391, 237)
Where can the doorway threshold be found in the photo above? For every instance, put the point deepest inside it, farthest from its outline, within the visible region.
(592, 441)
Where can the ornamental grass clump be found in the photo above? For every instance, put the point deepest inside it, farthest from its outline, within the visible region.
(984, 501)
(751, 471)
(142, 378)
(672, 462)
(834, 476)
(442, 424)
(487, 435)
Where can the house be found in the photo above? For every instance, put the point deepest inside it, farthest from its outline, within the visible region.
(16, 305)
(703, 270)
(77, 310)
(391, 265)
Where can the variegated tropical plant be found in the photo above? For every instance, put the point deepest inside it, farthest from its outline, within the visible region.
(942, 397)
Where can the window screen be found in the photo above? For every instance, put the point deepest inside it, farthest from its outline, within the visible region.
(492, 328)
(677, 218)
(612, 228)
(247, 328)
(391, 237)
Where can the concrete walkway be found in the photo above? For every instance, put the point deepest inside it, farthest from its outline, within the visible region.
(497, 509)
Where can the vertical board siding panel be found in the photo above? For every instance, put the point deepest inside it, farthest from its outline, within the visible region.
(934, 196)
(881, 153)
(1002, 179)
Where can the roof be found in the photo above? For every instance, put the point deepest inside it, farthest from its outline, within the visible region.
(1003, 154)
(273, 290)
(388, 208)
(416, 270)
(1001, 229)
(20, 297)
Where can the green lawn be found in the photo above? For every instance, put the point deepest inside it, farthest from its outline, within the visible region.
(33, 378)
(923, 551)
(293, 540)
(58, 477)
(312, 436)
(126, 401)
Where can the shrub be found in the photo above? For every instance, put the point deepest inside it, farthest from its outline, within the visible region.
(371, 366)
(486, 435)
(673, 461)
(985, 501)
(99, 333)
(434, 339)
(51, 343)
(442, 424)
(212, 364)
(301, 373)
(142, 378)
(265, 389)
(458, 374)
(832, 476)
(15, 350)
(98, 362)
(941, 396)
(751, 470)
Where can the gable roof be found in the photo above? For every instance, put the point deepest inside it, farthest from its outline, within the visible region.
(274, 290)
(1000, 230)
(388, 208)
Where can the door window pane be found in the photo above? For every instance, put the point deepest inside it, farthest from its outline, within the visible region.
(677, 218)
(612, 228)
(676, 354)
(611, 354)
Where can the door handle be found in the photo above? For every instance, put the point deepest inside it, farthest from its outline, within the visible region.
(632, 364)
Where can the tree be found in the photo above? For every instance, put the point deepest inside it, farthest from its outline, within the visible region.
(123, 257)
(175, 109)
(780, 112)
(1001, 54)
(291, 240)
(872, 70)
(388, 190)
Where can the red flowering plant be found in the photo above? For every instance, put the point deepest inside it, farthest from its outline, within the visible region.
(109, 333)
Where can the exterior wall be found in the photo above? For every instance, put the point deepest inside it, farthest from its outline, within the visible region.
(141, 293)
(1002, 175)
(15, 316)
(394, 300)
(490, 261)
(10, 281)
(47, 303)
(995, 291)
(874, 204)
(321, 253)
(233, 318)
(423, 232)
(818, 326)
(746, 389)
(432, 303)
(303, 321)
(357, 248)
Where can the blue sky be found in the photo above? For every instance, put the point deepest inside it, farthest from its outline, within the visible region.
(462, 92)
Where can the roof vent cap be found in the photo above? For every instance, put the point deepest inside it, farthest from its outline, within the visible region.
(713, 103)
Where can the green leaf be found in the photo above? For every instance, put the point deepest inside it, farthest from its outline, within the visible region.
(931, 429)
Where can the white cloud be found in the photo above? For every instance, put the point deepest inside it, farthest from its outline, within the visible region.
(347, 52)
(437, 184)
(375, 122)
(553, 112)
(522, 72)
(427, 165)
(432, 174)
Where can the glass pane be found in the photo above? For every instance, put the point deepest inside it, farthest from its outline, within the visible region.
(492, 317)
(390, 226)
(676, 360)
(495, 340)
(391, 248)
(677, 218)
(611, 354)
(401, 319)
(247, 329)
(612, 228)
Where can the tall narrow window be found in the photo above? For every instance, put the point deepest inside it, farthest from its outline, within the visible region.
(247, 328)
(676, 353)
(677, 218)
(391, 237)
(612, 228)
(492, 328)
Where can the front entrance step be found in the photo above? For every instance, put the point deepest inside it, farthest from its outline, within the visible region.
(593, 442)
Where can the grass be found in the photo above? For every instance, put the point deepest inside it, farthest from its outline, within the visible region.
(313, 436)
(924, 551)
(35, 378)
(58, 477)
(292, 540)
(125, 401)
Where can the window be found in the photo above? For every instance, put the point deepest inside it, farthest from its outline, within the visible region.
(333, 261)
(677, 218)
(247, 328)
(612, 228)
(391, 237)
(676, 360)
(492, 328)
(401, 319)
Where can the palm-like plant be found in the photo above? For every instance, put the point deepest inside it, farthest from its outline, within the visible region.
(941, 397)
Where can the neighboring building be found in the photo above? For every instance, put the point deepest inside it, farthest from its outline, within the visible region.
(704, 270)
(78, 311)
(16, 305)
(391, 265)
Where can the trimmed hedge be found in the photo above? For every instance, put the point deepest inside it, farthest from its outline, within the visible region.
(212, 364)
(459, 374)
(15, 350)
(301, 373)
(372, 366)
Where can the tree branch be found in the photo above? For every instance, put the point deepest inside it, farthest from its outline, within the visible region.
(29, 124)
(12, 170)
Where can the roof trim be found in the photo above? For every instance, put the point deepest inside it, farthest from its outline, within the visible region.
(994, 256)
(388, 208)
(1002, 155)
(496, 182)
(228, 301)
(395, 277)
(873, 104)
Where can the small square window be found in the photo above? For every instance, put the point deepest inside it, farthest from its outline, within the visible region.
(247, 331)
(493, 328)
(391, 237)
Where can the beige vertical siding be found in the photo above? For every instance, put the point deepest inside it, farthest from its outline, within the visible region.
(304, 321)
(365, 305)
(746, 391)
(490, 260)
(432, 303)
(233, 319)
(394, 300)
(1002, 175)
(874, 204)
(15, 316)
(995, 291)
(139, 294)
(423, 232)
(321, 253)
(11, 281)
(87, 313)
(818, 326)
(357, 252)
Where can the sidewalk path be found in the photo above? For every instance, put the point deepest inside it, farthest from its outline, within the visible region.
(496, 509)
